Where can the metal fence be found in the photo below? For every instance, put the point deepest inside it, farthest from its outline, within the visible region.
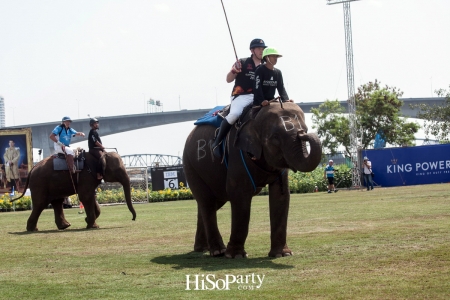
(339, 159)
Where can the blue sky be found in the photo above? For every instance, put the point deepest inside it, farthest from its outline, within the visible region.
(106, 58)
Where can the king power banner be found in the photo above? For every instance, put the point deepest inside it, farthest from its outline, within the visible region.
(410, 165)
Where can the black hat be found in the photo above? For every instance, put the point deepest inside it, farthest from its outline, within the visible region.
(257, 43)
(92, 121)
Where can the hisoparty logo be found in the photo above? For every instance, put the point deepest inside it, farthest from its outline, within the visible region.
(203, 282)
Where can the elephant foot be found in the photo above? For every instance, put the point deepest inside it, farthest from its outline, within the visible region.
(32, 229)
(64, 226)
(92, 226)
(235, 252)
(283, 253)
(217, 253)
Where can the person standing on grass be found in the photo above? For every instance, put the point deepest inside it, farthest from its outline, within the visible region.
(368, 173)
(329, 175)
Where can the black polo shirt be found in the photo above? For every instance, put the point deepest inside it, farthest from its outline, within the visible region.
(266, 82)
(243, 84)
(92, 138)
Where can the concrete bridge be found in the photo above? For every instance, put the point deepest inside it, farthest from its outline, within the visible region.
(118, 124)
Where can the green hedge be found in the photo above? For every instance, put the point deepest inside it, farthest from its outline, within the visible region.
(306, 182)
(22, 204)
(298, 183)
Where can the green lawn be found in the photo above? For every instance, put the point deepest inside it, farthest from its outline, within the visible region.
(389, 243)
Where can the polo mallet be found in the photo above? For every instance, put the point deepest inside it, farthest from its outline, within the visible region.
(70, 175)
(226, 18)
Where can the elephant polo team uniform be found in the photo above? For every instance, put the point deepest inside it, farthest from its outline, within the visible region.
(266, 82)
(242, 94)
(93, 137)
(11, 159)
(65, 135)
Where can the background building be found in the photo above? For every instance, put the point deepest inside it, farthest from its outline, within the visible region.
(2, 112)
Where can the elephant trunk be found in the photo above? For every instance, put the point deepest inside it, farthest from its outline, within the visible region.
(127, 192)
(299, 158)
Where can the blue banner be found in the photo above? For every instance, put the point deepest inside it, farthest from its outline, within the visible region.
(410, 165)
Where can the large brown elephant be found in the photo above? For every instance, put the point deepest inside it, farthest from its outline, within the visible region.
(276, 137)
(51, 187)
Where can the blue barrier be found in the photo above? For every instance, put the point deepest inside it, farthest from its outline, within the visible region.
(410, 165)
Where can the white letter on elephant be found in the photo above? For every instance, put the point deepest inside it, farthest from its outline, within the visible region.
(288, 120)
(201, 149)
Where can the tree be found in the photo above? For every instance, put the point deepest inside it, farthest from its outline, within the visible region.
(332, 126)
(437, 117)
(377, 111)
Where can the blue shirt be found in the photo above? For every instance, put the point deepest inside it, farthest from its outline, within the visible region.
(329, 171)
(64, 134)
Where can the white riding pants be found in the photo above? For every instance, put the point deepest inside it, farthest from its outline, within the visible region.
(237, 106)
(58, 149)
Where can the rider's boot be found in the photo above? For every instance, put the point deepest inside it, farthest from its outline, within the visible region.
(217, 145)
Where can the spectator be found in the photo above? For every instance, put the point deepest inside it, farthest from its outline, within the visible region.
(329, 174)
(368, 173)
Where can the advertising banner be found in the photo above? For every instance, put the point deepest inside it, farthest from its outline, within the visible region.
(168, 177)
(410, 165)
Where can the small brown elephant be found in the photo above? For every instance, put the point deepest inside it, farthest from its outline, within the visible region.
(51, 187)
(277, 140)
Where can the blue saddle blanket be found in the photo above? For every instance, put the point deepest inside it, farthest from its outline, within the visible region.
(212, 117)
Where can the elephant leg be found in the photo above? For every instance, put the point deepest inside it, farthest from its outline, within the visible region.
(38, 206)
(201, 241)
(240, 218)
(279, 198)
(208, 235)
(91, 208)
(208, 215)
(60, 220)
(97, 209)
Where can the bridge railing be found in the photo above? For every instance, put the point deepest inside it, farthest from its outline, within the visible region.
(151, 160)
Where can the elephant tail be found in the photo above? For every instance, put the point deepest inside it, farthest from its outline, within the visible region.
(24, 188)
(28, 180)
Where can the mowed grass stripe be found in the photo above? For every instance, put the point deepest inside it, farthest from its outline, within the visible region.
(390, 243)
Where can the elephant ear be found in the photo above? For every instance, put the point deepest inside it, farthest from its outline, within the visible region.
(103, 162)
(247, 139)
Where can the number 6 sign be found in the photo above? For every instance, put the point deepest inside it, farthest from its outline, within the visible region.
(167, 178)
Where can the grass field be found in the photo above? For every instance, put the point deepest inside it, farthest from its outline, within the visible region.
(390, 243)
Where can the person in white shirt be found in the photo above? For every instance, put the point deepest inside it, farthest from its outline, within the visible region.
(368, 173)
